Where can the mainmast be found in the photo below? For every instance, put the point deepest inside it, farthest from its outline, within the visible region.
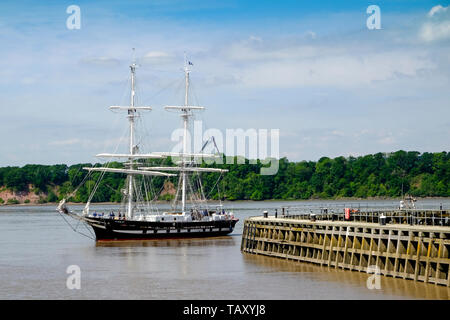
(131, 116)
(185, 116)
(186, 157)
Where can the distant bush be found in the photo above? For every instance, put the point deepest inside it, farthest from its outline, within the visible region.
(13, 201)
(167, 197)
(52, 197)
(2, 201)
(27, 201)
(42, 200)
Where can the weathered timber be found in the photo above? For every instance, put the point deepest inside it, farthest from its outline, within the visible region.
(415, 252)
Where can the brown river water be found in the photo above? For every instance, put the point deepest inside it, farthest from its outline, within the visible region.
(37, 246)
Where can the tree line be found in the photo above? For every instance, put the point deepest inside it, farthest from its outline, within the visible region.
(376, 175)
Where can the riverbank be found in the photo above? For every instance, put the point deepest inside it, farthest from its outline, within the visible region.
(437, 199)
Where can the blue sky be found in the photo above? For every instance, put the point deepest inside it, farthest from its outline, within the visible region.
(309, 68)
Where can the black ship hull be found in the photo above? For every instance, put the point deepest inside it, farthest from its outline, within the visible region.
(111, 229)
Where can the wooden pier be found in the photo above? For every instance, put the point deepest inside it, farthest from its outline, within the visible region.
(411, 245)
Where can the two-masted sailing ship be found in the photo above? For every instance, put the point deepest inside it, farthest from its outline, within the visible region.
(139, 218)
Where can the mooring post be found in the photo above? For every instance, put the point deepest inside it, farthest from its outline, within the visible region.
(244, 236)
(382, 220)
(409, 255)
(439, 256)
(427, 265)
(418, 254)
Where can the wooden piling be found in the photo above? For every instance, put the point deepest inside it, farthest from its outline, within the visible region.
(415, 252)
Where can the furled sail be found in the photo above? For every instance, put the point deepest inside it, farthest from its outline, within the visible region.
(133, 156)
(191, 169)
(130, 171)
(187, 155)
(130, 108)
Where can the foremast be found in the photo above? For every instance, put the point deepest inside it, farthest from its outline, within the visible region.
(130, 170)
(131, 116)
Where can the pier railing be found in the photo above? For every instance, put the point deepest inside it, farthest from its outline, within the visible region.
(429, 217)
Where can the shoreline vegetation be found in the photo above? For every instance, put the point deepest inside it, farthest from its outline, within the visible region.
(234, 201)
(381, 176)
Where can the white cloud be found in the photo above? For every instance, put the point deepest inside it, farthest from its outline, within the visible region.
(311, 34)
(254, 50)
(290, 63)
(102, 61)
(85, 143)
(254, 38)
(387, 140)
(29, 80)
(435, 31)
(337, 133)
(156, 55)
(438, 25)
(437, 9)
(332, 69)
(67, 142)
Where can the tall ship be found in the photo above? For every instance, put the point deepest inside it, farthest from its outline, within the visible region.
(138, 217)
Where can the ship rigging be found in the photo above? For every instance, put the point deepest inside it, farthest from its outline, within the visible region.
(141, 218)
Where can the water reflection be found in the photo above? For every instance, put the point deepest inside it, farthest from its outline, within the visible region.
(391, 286)
(203, 242)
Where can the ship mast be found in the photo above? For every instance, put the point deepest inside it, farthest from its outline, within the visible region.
(186, 158)
(185, 116)
(184, 166)
(133, 154)
(131, 116)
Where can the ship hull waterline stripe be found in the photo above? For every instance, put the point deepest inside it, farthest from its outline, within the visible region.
(107, 235)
